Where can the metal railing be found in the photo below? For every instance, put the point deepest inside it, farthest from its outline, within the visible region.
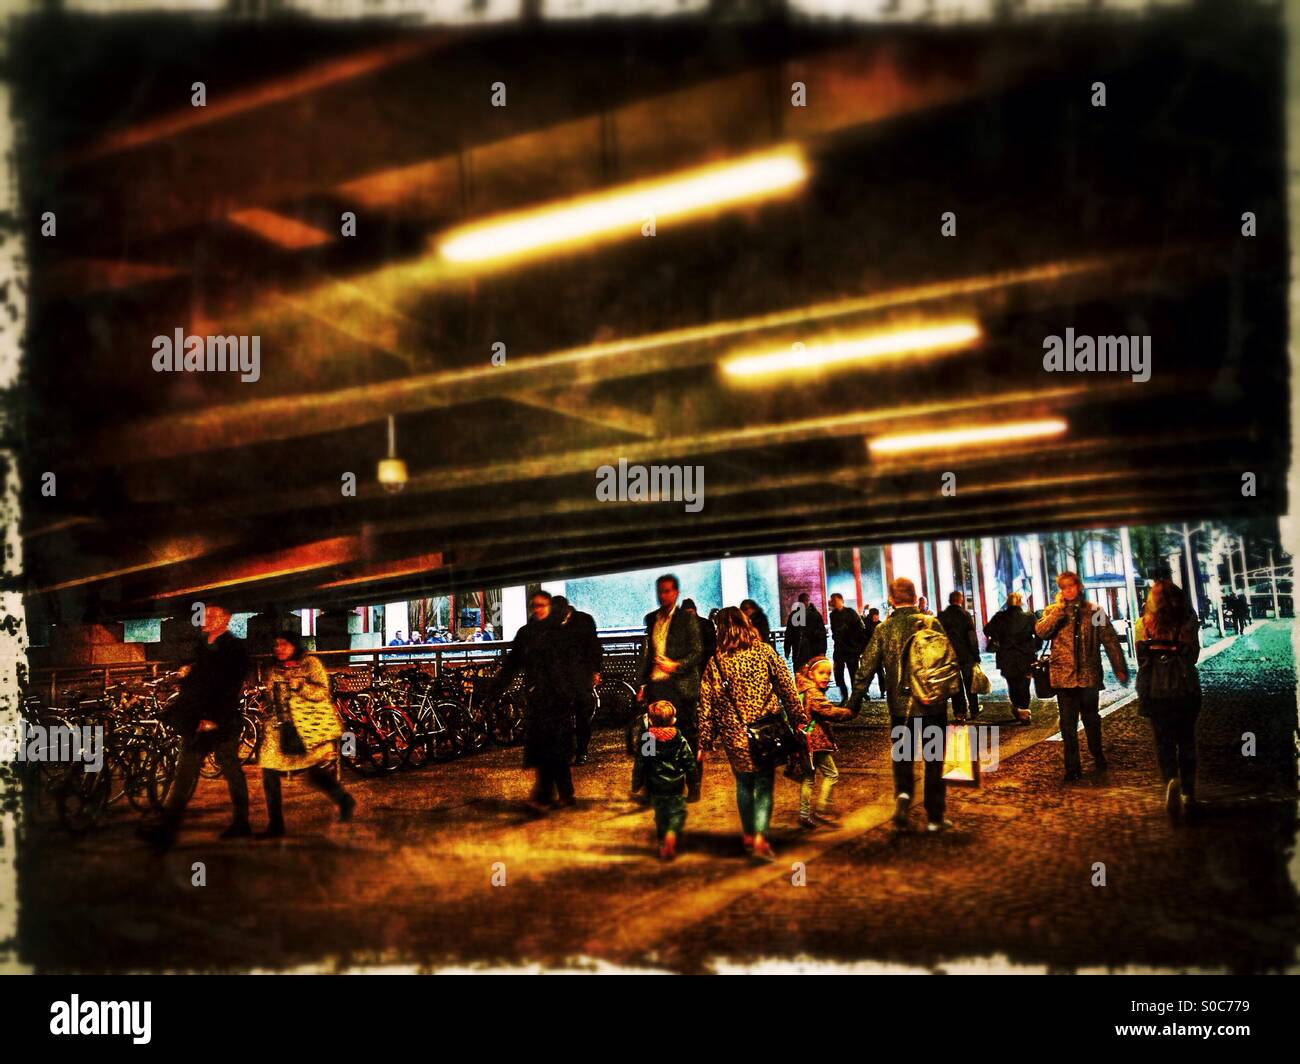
(620, 653)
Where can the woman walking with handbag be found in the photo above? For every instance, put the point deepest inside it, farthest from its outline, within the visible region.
(1167, 638)
(305, 734)
(1012, 630)
(748, 702)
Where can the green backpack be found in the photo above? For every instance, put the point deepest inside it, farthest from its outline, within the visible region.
(930, 665)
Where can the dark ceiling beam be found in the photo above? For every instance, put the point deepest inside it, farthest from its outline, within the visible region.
(1050, 467)
(1130, 508)
(298, 415)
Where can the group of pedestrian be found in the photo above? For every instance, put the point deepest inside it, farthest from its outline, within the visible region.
(717, 682)
(557, 652)
(1236, 608)
(433, 636)
(303, 737)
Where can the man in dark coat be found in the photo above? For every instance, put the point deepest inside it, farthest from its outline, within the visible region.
(550, 683)
(669, 668)
(1010, 632)
(209, 722)
(850, 637)
(960, 629)
(708, 632)
(805, 633)
(580, 656)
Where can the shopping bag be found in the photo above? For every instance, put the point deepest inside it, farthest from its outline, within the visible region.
(961, 759)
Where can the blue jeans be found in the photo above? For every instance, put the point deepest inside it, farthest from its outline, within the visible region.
(754, 799)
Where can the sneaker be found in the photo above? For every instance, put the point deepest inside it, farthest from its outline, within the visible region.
(237, 831)
(1101, 767)
(1023, 717)
(828, 814)
(901, 808)
(1073, 775)
(807, 823)
(763, 852)
(1173, 798)
(939, 825)
(668, 848)
(566, 803)
(748, 842)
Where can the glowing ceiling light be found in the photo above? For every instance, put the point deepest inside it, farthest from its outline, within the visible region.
(933, 338)
(622, 211)
(969, 436)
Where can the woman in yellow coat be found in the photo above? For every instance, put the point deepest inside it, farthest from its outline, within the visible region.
(299, 685)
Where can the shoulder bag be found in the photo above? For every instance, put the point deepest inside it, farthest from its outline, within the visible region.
(771, 738)
(1041, 673)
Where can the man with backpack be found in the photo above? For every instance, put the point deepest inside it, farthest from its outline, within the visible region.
(921, 673)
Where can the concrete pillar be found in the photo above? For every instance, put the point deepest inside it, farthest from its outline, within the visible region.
(735, 581)
(514, 611)
(1038, 572)
(945, 576)
(335, 629)
(1272, 577)
(87, 644)
(988, 559)
(264, 627)
(906, 558)
(395, 620)
(1130, 577)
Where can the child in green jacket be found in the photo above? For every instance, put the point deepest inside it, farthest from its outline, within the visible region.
(664, 763)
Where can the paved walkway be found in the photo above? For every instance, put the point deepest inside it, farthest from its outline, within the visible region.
(411, 882)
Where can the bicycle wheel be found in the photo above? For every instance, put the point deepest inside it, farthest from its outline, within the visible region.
(615, 702)
(115, 768)
(448, 741)
(398, 733)
(508, 720)
(422, 739)
(137, 764)
(475, 728)
(162, 774)
(367, 752)
(250, 738)
(82, 800)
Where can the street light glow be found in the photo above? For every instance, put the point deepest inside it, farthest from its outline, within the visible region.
(622, 211)
(968, 436)
(878, 344)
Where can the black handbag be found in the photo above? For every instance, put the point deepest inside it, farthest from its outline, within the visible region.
(1041, 673)
(771, 738)
(290, 741)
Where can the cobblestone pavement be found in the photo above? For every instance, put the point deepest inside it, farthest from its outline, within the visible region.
(410, 882)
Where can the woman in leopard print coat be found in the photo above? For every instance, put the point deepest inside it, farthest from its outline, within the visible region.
(743, 681)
